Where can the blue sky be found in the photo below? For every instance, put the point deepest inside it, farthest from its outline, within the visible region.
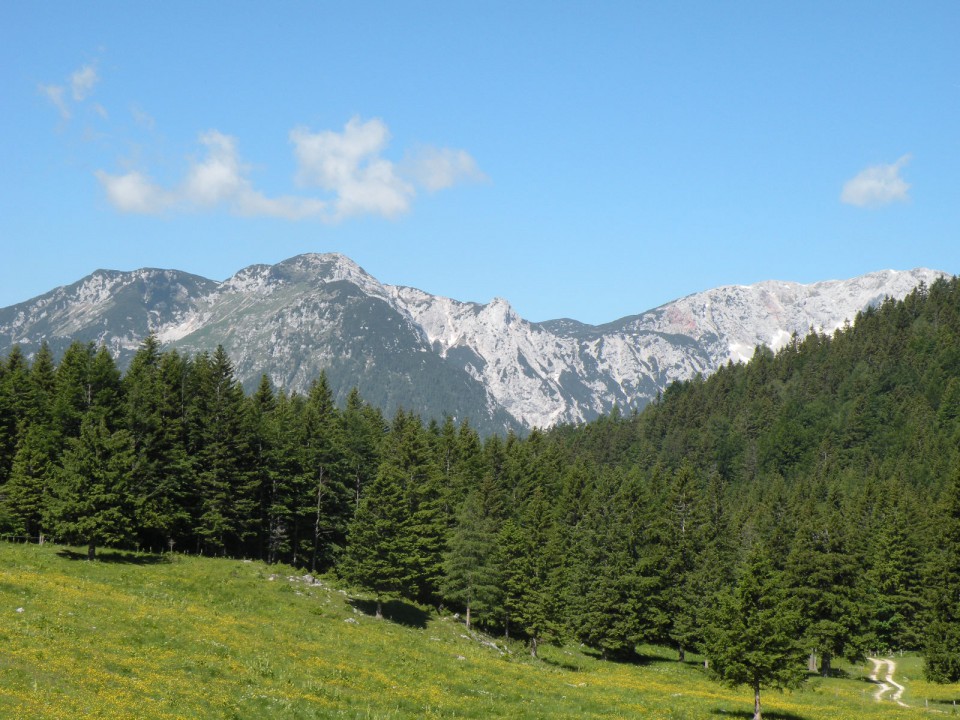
(586, 160)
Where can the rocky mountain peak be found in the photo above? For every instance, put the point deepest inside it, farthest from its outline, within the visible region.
(405, 347)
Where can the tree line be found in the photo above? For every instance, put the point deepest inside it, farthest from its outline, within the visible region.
(813, 494)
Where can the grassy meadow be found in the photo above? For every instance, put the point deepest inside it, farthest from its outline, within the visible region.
(140, 636)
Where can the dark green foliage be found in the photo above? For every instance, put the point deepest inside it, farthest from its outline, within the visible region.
(942, 646)
(90, 502)
(630, 529)
(471, 575)
(751, 639)
(220, 452)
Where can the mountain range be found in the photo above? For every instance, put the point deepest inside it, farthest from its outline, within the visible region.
(404, 347)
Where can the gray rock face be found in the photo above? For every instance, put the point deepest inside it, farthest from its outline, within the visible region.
(403, 347)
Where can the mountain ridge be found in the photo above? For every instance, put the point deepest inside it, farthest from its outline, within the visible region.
(434, 355)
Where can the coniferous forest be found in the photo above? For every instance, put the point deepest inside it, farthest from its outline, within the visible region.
(806, 504)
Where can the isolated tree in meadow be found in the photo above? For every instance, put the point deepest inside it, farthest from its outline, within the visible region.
(91, 501)
(751, 639)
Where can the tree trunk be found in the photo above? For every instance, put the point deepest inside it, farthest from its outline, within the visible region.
(468, 616)
(812, 662)
(533, 646)
(825, 665)
(379, 609)
(682, 654)
(756, 703)
(92, 551)
(316, 524)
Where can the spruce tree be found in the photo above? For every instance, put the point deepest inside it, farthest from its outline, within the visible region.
(91, 499)
(751, 639)
(325, 503)
(471, 576)
(380, 547)
(942, 641)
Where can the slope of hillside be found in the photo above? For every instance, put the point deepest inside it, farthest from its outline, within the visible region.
(135, 636)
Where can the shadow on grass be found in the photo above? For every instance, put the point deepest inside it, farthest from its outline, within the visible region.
(944, 703)
(395, 611)
(767, 714)
(119, 557)
(561, 663)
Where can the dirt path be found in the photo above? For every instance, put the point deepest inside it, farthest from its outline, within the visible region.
(886, 670)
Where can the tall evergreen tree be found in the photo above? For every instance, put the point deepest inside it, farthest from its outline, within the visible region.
(220, 451)
(942, 641)
(326, 501)
(471, 576)
(822, 573)
(752, 637)
(91, 500)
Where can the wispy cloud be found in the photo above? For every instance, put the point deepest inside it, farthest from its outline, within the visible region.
(55, 94)
(439, 168)
(82, 82)
(219, 179)
(347, 167)
(877, 185)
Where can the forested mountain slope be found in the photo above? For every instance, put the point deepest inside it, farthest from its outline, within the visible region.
(827, 472)
(404, 347)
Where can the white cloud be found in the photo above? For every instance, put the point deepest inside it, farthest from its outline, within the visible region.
(347, 166)
(82, 82)
(440, 168)
(133, 192)
(218, 179)
(877, 185)
(54, 93)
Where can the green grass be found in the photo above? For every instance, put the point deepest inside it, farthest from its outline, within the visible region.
(136, 636)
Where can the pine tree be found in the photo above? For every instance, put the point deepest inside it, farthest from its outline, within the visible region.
(751, 639)
(380, 547)
(363, 433)
(27, 491)
(91, 500)
(942, 642)
(893, 580)
(326, 500)
(153, 413)
(220, 450)
(471, 576)
(680, 542)
(822, 572)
